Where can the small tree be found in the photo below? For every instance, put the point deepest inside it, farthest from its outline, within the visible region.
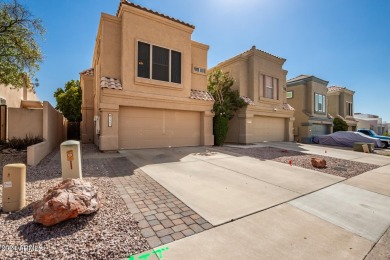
(20, 54)
(69, 100)
(339, 125)
(227, 102)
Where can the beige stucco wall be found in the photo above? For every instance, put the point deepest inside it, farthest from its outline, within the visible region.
(14, 96)
(87, 109)
(338, 102)
(115, 56)
(53, 134)
(138, 25)
(25, 122)
(247, 125)
(303, 102)
(198, 59)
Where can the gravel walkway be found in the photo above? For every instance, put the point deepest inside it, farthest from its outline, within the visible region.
(111, 233)
(338, 167)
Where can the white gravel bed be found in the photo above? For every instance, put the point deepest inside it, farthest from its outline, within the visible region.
(111, 233)
(335, 166)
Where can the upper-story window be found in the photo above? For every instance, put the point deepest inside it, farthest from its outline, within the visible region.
(349, 109)
(158, 63)
(270, 87)
(289, 94)
(319, 103)
(199, 70)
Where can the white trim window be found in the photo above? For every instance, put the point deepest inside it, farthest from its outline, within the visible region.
(319, 103)
(270, 87)
(349, 109)
(158, 63)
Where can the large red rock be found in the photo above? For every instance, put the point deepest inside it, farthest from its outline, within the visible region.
(67, 200)
(318, 163)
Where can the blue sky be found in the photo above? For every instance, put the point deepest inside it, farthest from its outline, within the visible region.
(344, 42)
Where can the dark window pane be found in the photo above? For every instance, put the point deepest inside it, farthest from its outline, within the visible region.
(143, 60)
(176, 67)
(160, 64)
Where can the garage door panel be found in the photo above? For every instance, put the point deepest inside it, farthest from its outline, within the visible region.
(319, 129)
(152, 128)
(269, 129)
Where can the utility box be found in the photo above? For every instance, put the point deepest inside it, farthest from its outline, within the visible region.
(71, 160)
(14, 187)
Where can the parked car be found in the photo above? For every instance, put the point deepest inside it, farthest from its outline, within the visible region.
(345, 138)
(385, 140)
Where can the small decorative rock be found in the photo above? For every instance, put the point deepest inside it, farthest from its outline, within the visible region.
(318, 163)
(67, 200)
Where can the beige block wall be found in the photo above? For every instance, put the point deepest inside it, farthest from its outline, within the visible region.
(53, 134)
(25, 122)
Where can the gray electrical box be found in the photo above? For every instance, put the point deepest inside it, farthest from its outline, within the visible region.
(14, 187)
(71, 160)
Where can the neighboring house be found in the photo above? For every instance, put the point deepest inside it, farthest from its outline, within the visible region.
(340, 104)
(308, 95)
(147, 86)
(373, 122)
(261, 82)
(17, 114)
(22, 114)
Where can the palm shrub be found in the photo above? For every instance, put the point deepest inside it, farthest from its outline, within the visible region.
(227, 102)
(339, 125)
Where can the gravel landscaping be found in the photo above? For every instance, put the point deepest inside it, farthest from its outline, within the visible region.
(111, 233)
(338, 167)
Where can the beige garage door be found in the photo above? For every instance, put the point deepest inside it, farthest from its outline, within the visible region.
(153, 128)
(269, 129)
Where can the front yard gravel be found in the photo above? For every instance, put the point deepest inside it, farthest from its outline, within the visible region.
(111, 233)
(335, 166)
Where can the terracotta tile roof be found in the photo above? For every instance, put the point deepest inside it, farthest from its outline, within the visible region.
(288, 107)
(248, 100)
(337, 88)
(110, 83)
(125, 2)
(201, 95)
(254, 48)
(88, 72)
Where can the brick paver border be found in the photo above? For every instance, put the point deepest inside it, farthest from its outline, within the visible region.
(161, 216)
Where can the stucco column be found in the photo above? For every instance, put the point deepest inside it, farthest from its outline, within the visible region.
(206, 128)
(245, 121)
(289, 129)
(109, 127)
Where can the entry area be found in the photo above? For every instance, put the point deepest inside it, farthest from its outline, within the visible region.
(153, 128)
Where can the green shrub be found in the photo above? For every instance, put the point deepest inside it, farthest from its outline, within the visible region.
(227, 102)
(23, 143)
(339, 125)
(221, 125)
(386, 134)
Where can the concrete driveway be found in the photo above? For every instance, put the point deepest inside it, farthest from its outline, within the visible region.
(222, 187)
(280, 211)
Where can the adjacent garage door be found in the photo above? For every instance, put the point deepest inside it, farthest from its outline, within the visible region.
(319, 129)
(269, 129)
(153, 128)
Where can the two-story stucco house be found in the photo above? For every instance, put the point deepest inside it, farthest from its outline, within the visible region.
(147, 86)
(261, 80)
(308, 95)
(340, 104)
